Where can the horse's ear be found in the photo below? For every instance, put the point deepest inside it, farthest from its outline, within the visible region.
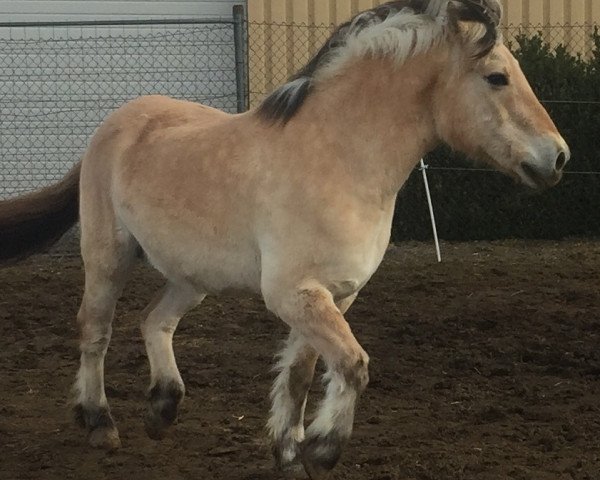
(487, 13)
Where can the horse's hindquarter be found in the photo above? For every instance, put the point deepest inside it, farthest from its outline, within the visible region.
(180, 187)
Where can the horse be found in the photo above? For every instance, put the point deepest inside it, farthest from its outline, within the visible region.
(292, 200)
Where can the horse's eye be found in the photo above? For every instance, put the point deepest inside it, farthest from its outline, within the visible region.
(497, 79)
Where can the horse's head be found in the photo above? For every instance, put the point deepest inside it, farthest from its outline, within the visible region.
(485, 106)
(477, 97)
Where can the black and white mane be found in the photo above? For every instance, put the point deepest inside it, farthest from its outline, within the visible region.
(400, 29)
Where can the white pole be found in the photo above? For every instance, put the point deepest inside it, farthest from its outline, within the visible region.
(429, 201)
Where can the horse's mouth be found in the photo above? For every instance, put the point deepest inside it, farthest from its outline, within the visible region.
(538, 179)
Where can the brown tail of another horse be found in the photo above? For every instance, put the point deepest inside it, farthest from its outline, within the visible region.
(35, 221)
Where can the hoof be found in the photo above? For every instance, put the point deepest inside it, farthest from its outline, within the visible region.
(105, 438)
(287, 461)
(162, 409)
(101, 427)
(155, 427)
(294, 471)
(320, 454)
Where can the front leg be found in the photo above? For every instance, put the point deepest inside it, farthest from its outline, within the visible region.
(310, 310)
(296, 367)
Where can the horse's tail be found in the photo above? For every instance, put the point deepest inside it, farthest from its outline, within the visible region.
(35, 221)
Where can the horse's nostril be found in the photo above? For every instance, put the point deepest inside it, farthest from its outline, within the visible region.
(561, 161)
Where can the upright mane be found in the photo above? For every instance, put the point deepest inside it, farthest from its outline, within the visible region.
(400, 29)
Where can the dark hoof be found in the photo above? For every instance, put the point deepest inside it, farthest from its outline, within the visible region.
(162, 409)
(320, 454)
(102, 432)
(155, 427)
(294, 470)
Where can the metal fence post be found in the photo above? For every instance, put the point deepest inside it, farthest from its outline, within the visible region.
(241, 57)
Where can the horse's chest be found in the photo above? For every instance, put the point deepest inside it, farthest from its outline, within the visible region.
(355, 263)
(373, 252)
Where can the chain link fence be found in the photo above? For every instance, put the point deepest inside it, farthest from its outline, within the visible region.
(59, 81)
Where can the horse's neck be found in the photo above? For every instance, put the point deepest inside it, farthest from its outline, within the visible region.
(380, 117)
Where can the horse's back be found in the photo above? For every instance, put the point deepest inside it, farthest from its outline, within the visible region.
(145, 115)
(133, 124)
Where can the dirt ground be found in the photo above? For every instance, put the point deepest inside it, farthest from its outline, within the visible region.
(485, 367)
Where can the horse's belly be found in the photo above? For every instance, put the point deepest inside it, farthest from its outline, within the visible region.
(209, 268)
(212, 256)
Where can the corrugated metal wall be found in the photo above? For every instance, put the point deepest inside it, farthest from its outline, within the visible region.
(334, 11)
(277, 50)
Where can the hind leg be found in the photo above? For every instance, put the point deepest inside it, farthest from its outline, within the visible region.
(166, 386)
(106, 269)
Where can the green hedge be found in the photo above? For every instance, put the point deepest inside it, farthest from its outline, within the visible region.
(486, 205)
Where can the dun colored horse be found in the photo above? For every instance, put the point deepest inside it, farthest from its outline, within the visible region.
(293, 200)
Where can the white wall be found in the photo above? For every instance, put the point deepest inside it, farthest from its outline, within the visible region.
(59, 10)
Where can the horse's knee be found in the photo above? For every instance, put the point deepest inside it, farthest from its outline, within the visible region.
(296, 302)
(164, 399)
(356, 372)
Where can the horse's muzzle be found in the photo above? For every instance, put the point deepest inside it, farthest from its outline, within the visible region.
(547, 170)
